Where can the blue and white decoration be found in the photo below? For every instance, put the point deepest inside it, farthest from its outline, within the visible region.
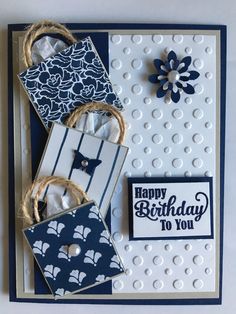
(74, 250)
(89, 161)
(167, 211)
(70, 78)
(172, 76)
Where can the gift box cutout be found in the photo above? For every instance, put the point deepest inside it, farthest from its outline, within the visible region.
(74, 250)
(70, 78)
(89, 161)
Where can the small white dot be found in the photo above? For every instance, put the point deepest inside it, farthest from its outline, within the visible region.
(188, 125)
(128, 248)
(116, 64)
(177, 138)
(208, 125)
(138, 284)
(167, 50)
(157, 114)
(198, 138)
(136, 39)
(188, 271)
(208, 174)
(127, 50)
(117, 236)
(116, 39)
(208, 271)
(208, 247)
(209, 50)
(198, 113)
(126, 101)
(158, 39)
(178, 39)
(117, 89)
(188, 100)
(158, 284)
(148, 271)
(137, 163)
(208, 149)
(187, 149)
(147, 174)
(116, 212)
(137, 114)
(147, 150)
(118, 284)
(147, 100)
(128, 272)
(209, 75)
(137, 89)
(158, 260)
(136, 64)
(157, 138)
(198, 64)
(198, 260)
(167, 150)
(168, 125)
(197, 162)
(178, 260)
(198, 39)
(127, 76)
(178, 284)
(198, 284)
(147, 50)
(187, 174)
(188, 247)
(177, 163)
(168, 271)
(138, 260)
(168, 247)
(208, 100)
(157, 163)
(167, 174)
(177, 114)
(148, 247)
(199, 89)
(188, 50)
(147, 125)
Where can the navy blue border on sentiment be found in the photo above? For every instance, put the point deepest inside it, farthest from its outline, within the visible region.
(11, 183)
(158, 180)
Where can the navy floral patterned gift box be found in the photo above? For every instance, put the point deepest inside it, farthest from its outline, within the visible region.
(74, 250)
(66, 80)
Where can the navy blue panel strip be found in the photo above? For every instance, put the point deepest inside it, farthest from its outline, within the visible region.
(71, 169)
(98, 155)
(58, 156)
(110, 175)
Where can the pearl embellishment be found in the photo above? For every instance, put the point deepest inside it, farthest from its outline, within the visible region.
(74, 250)
(173, 76)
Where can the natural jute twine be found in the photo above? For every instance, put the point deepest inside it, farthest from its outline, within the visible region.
(38, 29)
(93, 106)
(42, 183)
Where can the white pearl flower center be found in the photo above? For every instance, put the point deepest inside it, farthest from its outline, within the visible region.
(173, 76)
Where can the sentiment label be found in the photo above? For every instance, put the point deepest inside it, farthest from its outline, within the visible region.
(165, 208)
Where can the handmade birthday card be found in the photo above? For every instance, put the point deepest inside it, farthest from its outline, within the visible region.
(144, 144)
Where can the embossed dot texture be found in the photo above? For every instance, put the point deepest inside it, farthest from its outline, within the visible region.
(166, 139)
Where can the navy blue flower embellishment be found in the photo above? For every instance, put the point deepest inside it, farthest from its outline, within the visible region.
(85, 164)
(172, 76)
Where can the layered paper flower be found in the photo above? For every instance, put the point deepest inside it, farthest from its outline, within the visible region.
(172, 76)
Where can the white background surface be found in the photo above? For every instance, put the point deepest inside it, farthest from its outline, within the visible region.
(149, 11)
